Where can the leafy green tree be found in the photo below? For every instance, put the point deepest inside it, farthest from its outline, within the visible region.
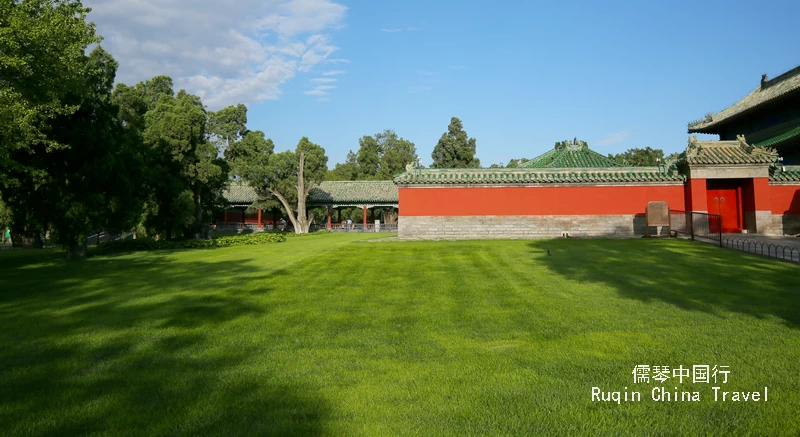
(87, 176)
(380, 157)
(176, 129)
(251, 140)
(227, 127)
(42, 46)
(455, 149)
(396, 154)
(348, 171)
(181, 153)
(639, 157)
(87, 184)
(287, 176)
(369, 157)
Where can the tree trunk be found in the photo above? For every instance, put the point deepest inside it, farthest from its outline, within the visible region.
(286, 206)
(17, 240)
(299, 219)
(198, 219)
(303, 224)
(390, 216)
(76, 247)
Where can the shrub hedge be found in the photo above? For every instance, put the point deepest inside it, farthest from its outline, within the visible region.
(229, 241)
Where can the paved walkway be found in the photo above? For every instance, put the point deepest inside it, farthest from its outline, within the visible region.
(784, 247)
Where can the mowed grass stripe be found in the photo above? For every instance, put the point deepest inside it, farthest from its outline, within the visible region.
(332, 335)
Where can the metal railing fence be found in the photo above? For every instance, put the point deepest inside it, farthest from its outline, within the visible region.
(763, 248)
(697, 225)
(359, 227)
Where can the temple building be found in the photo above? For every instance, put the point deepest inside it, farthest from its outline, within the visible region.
(574, 190)
(750, 177)
(570, 189)
(368, 196)
(746, 177)
(768, 117)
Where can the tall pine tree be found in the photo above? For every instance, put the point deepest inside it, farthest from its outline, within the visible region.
(455, 149)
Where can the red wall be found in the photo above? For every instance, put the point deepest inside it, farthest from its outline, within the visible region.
(535, 200)
(761, 194)
(696, 199)
(785, 199)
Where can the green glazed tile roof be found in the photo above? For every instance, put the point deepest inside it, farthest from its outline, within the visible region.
(621, 175)
(769, 90)
(353, 192)
(727, 152)
(239, 193)
(788, 173)
(570, 156)
(327, 193)
(779, 138)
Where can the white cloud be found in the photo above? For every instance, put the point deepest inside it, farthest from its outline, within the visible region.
(391, 30)
(303, 16)
(323, 80)
(320, 90)
(231, 52)
(614, 138)
(333, 73)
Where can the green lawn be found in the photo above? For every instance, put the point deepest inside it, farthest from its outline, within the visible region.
(330, 334)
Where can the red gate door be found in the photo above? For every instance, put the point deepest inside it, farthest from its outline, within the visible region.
(725, 202)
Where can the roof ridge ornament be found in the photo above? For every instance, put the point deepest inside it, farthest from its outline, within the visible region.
(694, 147)
(743, 144)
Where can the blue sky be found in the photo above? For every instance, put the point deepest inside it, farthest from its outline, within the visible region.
(520, 75)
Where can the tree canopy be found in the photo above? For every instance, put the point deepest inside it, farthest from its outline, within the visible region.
(455, 149)
(78, 155)
(287, 176)
(639, 157)
(42, 60)
(379, 157)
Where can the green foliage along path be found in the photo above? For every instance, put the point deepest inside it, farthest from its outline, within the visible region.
(331, 335)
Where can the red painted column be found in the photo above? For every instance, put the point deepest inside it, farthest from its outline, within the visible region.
(329, 217)
(259, 217)
(696, 198)
(365, 217)
(225, 218)
(761, 193)
(763, 205)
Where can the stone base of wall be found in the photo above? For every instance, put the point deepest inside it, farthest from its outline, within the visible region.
(764, 223)
(785, 224)
(616, 226)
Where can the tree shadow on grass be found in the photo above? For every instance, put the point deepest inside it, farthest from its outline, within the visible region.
(689, 275)
(132, 345)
